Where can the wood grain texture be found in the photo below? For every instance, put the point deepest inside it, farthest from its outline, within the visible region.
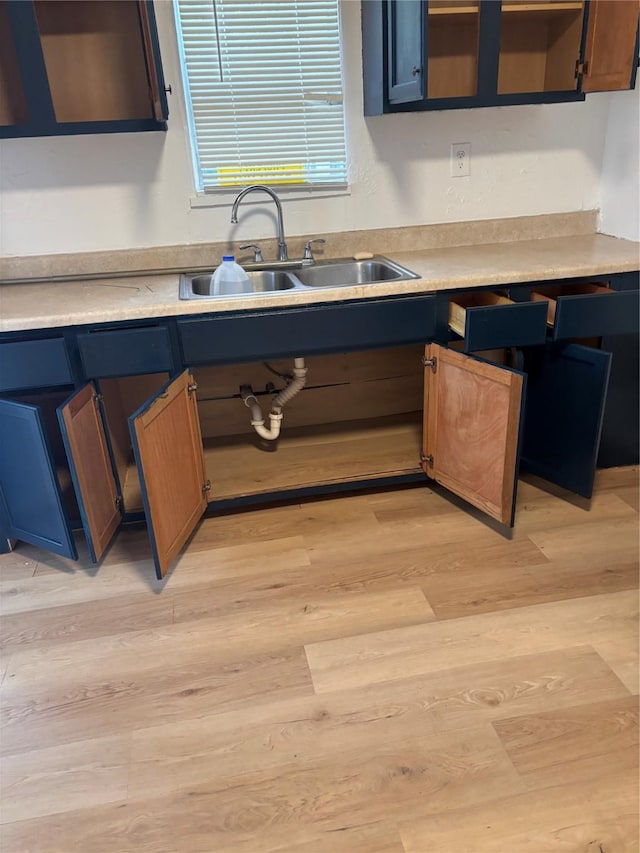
(94, 481)
(472, 417)
(611, 36)
(13, 108)
(379, 673)
(95, 59)
(170, 461)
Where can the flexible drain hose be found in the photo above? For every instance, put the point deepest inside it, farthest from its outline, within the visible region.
(293, 387)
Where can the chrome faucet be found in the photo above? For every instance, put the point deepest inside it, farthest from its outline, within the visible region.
(282, 246)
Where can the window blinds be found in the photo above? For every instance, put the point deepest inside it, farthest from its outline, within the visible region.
(264, 89)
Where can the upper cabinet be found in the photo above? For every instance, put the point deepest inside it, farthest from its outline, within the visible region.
(447, 54)
(79, 66)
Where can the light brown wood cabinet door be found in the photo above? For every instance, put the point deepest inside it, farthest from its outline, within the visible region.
(167, 445)
(472, 416)
(610, 49)
(91, 469)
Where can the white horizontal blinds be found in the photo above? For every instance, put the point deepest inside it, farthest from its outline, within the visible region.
(266, 94)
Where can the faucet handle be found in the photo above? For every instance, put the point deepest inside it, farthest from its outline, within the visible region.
(308, 254)
(257, 252)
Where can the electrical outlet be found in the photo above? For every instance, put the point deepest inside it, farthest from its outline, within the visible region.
(460, 159)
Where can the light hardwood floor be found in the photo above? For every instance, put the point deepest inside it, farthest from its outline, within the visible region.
(378, 673)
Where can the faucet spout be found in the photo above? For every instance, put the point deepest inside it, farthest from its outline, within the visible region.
(282, 246)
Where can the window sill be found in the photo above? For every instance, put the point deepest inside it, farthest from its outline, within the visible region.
(225, 197)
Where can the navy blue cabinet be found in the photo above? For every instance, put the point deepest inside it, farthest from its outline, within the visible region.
(87, 66)
(65, 443)
(31, 504)
(446, 54)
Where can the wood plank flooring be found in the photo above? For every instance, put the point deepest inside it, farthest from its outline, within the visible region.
(375, 673)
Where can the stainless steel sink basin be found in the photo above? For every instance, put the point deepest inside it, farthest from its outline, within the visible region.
(196, 286)
(341, 273)
(298, 276)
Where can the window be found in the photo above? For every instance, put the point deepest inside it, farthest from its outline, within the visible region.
(263, 85)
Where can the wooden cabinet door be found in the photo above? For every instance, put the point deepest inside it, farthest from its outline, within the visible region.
(167, 446)
(472, 417)
(610, 53)
(405, 50)
(91, 468)
(566, 396)
(29, 488)
(154, 64)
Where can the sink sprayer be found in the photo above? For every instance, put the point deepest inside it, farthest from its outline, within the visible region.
(293, 387)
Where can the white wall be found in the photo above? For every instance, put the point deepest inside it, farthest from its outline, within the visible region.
(133, 190)
(620, 184)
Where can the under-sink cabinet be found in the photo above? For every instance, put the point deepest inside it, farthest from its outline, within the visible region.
(464, 389)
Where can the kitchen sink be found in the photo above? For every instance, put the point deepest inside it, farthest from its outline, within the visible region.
(341, 272)
(196, 286)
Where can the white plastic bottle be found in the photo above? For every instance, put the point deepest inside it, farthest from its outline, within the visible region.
(229, 278)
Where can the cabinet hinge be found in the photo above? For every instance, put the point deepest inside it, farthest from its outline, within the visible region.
(427, 459)
(581, 68)
(430, 362)
(97, 398)
(206, 488)
(191, 387)
(119, 503)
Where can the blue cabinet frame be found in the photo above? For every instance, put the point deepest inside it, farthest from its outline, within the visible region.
(567, 384)
(389, 47)
(41, 117)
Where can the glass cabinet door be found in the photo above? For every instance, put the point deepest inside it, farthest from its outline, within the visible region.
(539, 45)
(453, 28)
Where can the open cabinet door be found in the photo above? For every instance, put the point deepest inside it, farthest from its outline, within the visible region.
(473, 411)
(91, 469)
(152, 55)
(167, 446)
(610, 54)
(29, 486)
(566, 395)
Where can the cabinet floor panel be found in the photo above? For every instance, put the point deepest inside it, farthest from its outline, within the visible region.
(242, 465)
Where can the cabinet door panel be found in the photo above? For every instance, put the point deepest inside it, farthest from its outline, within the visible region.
(471, 429)
(29, 486)
(405, 45)
(566, 394)
(34, 364)
(91, 469)
(167, 445)
(610, 50)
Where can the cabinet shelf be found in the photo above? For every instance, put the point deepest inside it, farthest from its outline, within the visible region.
(449, 11)
(306, 457)
(537, 8)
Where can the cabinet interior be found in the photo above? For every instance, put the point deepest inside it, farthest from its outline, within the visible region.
(95, 60)
(359, 417)
(539, 46)
(13, 107)
(452, 49)
(460, 302)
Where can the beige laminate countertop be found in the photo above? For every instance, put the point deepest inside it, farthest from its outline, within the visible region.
(25, 306)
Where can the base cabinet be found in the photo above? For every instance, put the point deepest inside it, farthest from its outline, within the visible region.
(521, 381)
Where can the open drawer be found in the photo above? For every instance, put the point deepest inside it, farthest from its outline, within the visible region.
(588, 310)
(488, 320)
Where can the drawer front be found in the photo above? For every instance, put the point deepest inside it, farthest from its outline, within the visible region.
(126, 352)
(305, 331)
(593, 315)
(34, 364)
(520, 324)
